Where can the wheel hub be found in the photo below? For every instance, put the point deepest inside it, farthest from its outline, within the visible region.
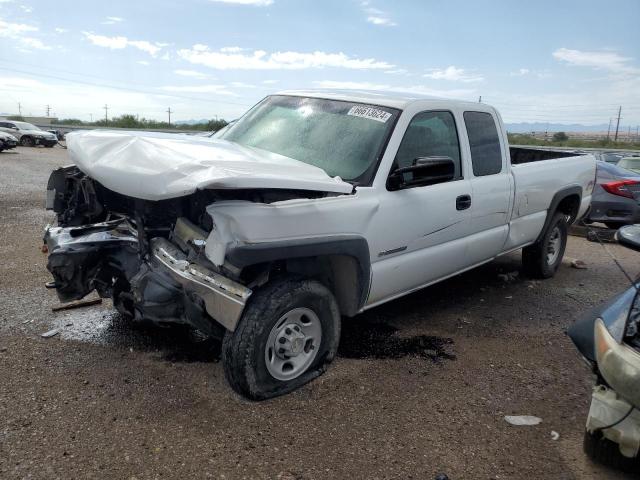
(290, 341)
(553, 246)
(293, 343)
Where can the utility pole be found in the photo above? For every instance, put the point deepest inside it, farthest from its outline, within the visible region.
(169, 112)
(106, 110)
(480, 99)
(629, 134)
(48, 110)
(609, 129)
(19, 109)
(91, 117)
(618, 123)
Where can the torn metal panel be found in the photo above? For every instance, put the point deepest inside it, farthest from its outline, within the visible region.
(240, 222)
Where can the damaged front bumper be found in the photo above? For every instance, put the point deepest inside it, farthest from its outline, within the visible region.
(164, 285)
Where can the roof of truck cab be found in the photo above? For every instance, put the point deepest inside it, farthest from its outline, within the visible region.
(398, 100)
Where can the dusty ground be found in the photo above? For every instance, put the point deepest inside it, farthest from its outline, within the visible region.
(107, 400)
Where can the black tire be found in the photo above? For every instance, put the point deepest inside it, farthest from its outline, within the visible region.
(606, 452)
(535, 259)
(243, 350)
(27, 141)
(614, 225)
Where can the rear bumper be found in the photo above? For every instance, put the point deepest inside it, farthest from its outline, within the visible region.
(164, 287)
(617, 210)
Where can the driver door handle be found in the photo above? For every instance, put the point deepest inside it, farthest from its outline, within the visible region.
(463, 202)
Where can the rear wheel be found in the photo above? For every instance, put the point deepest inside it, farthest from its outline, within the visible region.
(26, 141)
(287, 336)
(542, 259)
(606, 452)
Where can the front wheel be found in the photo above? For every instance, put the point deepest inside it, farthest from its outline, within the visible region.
(27, 141)
(542, 259)
(287, 336)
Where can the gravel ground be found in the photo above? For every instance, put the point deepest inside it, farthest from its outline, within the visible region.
(421, 385)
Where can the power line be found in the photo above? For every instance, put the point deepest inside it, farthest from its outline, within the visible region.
(126, 89)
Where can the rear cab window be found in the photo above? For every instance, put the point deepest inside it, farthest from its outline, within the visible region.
(484, 142)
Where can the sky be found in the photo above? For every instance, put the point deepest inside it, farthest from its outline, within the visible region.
(542, 61)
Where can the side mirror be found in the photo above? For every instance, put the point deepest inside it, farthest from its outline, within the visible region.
(629, 236)
(424, 171)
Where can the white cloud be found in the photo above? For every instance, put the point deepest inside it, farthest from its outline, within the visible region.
(256, 3)
(242, 85)
(18, 33)
(376, 16)
(454, 74)
(26, 9)
(218, 89)
(231, 49)
(520, 72)
(191, 73)
(260, 60)
(269, 82)
(60, 30)
(603, 60)
(411, 89)
(83, 100)
(143, 62)
(119, 42)
(397, 71)
(112, 20)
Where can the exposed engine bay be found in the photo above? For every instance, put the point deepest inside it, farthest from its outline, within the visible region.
(148, 256)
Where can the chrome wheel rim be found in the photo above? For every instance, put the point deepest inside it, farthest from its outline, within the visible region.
(553, 246)
(293, 344)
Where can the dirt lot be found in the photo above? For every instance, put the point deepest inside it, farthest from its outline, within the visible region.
(421, 386)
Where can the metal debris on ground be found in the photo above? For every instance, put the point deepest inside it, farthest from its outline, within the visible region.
(554, 435)
(579, 264)
(522, 420)
(78, 304)
(508, 277)
(50, 333)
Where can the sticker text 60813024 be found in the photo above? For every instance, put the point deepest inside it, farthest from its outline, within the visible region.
(370, 113)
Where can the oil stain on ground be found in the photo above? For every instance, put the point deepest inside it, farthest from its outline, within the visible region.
(366, 339)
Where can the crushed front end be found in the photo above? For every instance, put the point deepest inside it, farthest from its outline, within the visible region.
(147, 256)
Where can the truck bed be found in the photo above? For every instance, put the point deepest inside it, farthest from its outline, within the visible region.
(521, 155)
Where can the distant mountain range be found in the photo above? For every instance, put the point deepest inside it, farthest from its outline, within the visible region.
(554, 127)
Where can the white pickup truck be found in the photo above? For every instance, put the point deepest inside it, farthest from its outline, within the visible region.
(313, 207)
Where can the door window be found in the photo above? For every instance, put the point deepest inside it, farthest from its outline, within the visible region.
(486, 156)
(430, 134)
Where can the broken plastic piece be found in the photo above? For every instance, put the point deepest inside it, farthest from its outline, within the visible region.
(50, 333)
(523, 420)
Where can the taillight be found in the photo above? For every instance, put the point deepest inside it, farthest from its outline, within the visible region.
(624, 188)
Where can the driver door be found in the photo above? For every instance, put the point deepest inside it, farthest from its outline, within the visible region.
(418, 235)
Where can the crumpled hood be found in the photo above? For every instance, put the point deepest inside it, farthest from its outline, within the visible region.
(156, 166)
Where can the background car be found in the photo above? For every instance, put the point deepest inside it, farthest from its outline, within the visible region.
(27, 134)
(7, 141)
(630, 163)
(609, 157)
(615, 196)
